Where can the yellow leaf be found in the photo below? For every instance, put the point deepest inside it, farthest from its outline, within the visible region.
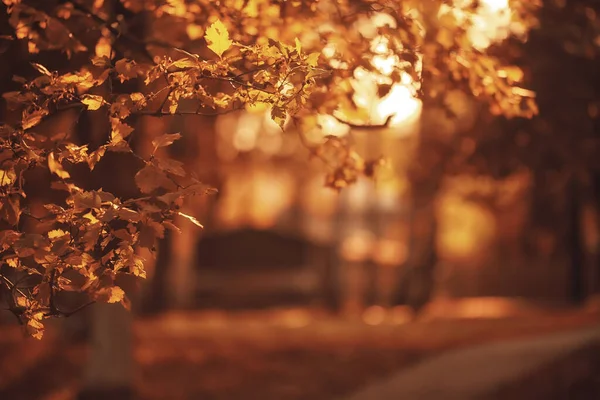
(165, 140)
(217, 38)
(57, 167)
(137, 97)
(12, 262)
(116, 294)
(56, 233)
(92, 101)
(113, 294)
(313, 59)
(35, 329)
(138, 268)
(7, 177)
(191, 219)
(298, 46)
(185, 63)
(103, 47)
(120, 130)
(22, 301)
(89, 216)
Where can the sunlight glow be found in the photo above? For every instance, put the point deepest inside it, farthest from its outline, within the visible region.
(492, 22)
(255, 197)
(400, 101)
(465, 228)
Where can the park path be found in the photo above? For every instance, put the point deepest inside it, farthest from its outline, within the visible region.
(481, 372)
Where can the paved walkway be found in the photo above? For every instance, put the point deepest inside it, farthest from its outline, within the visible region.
(478, 371)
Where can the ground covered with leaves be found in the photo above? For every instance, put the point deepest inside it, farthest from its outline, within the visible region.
(282, 355)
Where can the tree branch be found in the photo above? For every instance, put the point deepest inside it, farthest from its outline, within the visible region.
(386, 124)
(161, 113)
(139, 43)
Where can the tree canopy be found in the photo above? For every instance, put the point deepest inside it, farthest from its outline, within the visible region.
(308, 63)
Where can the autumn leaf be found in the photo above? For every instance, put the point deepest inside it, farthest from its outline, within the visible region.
(127, 69)
(313, 59)
(95, 157)
(185, 63)
(7, 177)
(103, 47)
(171, 226)
(41, 69)
(56, 167)
(34, 327)
(11, 210)
(169, 165)
(113, 294)
(217, 38)
(151, 178)
(137, 269)
(56, 233)
(93, 102)
(85, 200)
(12, 262)
(298, 45)
(91, 218)
(32, 119)
(120, 130)
(191, 219)
(278, 115)
(8, 238)
(127, 214)
(165, 140)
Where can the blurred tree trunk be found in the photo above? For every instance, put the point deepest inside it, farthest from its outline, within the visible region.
(156, 297)
(173, 283)
(181, 277)
(415, 285)
(596, 250)
(109, 368)
(574, 242)
(109, 371)
(417, 281)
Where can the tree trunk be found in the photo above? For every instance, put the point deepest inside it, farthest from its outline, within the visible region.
(155, 299)
(596, 250)
(109, 371)
(182, 269)
(423, 257)
(574, 244)
(417, 280)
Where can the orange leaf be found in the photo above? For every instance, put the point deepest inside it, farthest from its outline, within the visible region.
(165, 140)
(191, 219)
(56, 167)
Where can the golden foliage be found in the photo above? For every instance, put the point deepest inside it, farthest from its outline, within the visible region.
(297, 59)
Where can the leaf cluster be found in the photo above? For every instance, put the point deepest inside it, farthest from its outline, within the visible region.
(296, 59)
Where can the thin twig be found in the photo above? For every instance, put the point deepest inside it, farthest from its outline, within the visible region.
(140, 44)
(160, 113)
(386, 124)
(80, 308)
(12, 286)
